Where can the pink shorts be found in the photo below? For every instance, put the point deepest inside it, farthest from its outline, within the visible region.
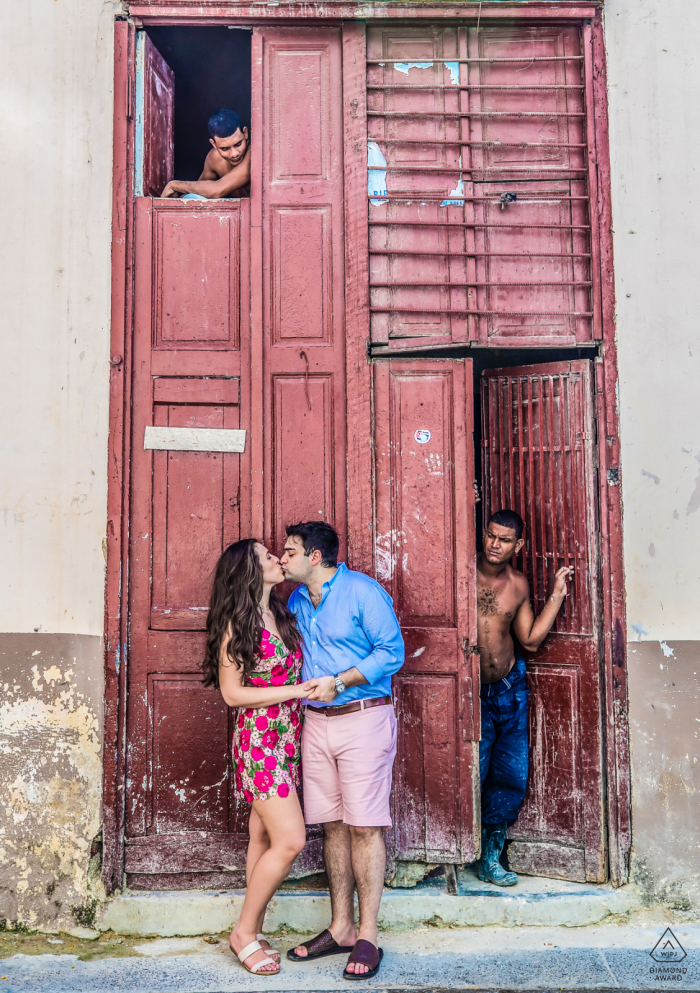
(346, 764)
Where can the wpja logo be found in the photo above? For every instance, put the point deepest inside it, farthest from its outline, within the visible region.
(668, 952)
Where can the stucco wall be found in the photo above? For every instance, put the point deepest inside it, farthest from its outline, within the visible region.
(55, 164)
(654, 72)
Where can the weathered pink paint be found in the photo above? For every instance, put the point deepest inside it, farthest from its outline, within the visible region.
(158, 111)
(425, 558)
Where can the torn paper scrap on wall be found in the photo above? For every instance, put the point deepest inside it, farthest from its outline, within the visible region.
(376, 177)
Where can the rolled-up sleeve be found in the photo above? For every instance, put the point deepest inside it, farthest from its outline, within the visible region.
(382, 630)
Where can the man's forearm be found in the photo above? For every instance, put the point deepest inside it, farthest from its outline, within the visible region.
(204, 187)
(352, 677)
(543, 623)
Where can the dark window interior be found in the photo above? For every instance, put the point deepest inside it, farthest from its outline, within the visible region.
(212, 70)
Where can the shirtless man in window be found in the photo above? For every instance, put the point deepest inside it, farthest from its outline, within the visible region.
(503, 605)
(226, 171)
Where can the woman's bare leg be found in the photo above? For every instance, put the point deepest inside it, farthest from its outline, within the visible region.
(283, 821)
(257, 846)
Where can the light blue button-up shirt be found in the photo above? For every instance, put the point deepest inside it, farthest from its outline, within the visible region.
(354, 625)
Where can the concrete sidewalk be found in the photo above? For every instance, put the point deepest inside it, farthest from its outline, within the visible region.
(426, 958)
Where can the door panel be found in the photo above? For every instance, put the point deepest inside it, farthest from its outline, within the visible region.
(191, 370)
(539, 459)
(303, 309)
(155, 107)
(303, 340)
(425, 560)
(196, 258)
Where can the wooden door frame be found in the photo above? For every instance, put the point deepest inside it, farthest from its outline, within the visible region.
(352, 15)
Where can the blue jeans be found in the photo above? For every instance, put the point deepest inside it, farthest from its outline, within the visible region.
(503, 749)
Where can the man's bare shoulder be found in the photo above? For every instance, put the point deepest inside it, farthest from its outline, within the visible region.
(518, 582)
(216, 164)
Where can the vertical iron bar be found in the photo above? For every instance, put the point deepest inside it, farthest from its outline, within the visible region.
(521, 445)
(543, 501)
(563, 396)
(553, 481)
(509, 425)
(532, 488)
(501, 443)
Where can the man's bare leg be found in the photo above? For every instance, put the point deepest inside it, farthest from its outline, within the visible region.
(368, 866)
(337, 854)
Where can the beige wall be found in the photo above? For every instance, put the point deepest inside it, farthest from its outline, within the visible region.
(55, 169)
(654, 73)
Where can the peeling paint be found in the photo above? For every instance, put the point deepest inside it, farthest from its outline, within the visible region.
(50, 780)
(639, 631)
(387, 551)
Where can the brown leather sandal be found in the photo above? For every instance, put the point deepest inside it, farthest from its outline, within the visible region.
(320, 946)
(364, 953)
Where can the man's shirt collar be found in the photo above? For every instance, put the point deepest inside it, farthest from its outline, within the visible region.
(326, 586)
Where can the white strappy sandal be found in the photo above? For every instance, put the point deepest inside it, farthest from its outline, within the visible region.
(249, 950)
(274, 953)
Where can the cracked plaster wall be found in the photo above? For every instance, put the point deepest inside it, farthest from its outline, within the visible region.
(653, 75)
(55, 285)
(50, 777)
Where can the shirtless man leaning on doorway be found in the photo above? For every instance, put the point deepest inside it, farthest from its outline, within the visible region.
(226, 171)
(503, 605)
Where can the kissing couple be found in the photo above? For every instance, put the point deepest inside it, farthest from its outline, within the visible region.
(310, 680)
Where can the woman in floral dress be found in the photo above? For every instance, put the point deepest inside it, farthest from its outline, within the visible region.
(254, 657)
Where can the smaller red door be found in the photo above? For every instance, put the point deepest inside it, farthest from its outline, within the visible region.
(539, 458)
(425, 558)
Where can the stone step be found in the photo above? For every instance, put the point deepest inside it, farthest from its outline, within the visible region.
(534, 902)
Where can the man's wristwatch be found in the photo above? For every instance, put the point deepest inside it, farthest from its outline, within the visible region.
(339, 685)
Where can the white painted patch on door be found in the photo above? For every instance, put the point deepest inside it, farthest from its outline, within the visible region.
(194, 439)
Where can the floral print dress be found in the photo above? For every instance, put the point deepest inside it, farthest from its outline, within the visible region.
(267, 740)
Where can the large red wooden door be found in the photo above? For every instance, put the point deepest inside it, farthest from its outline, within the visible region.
(425, 558)
(238, 428)
(190, 498)
(539, 458)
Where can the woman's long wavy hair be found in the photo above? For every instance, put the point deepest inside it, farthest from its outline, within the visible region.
(235, 601)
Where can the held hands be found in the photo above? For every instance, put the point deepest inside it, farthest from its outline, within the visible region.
(560, 588)
(322, 690)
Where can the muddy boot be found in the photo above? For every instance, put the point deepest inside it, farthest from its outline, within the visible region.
(489, 868)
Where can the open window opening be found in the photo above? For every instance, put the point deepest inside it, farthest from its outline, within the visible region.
(184, 76)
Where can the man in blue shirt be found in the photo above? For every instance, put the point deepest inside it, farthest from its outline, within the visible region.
(352, 647)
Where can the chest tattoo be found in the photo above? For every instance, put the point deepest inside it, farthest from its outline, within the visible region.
(487, 603)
